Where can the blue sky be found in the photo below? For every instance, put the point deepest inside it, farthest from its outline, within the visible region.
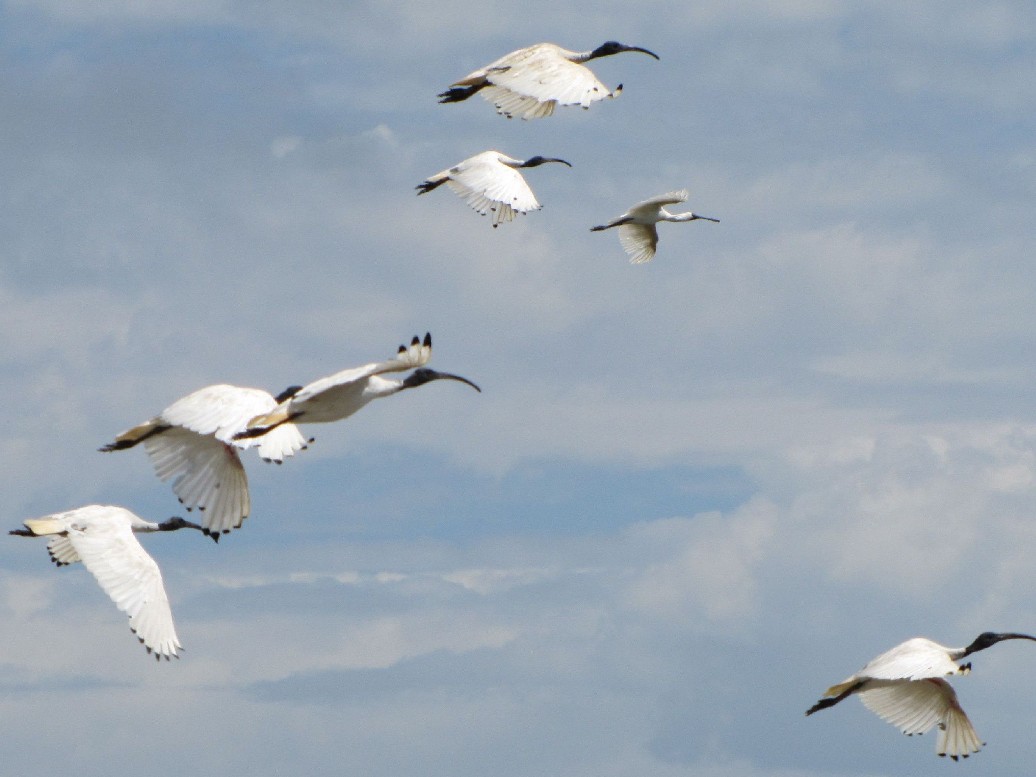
(693, 493)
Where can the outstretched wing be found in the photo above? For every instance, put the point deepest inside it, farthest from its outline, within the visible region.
(342, 391)
(61, 550)
(650, 206)
(531, 86)
(131, 578)
(219, 410)
(914, 707)
(487, 186)
(915, 659)
(415, 355)
(639, 241)
(207, 474)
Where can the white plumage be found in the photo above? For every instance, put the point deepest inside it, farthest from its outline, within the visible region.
(529, 83)
(192, 443)
(637, 231)
(102, 537)
(342, 394)
(905, 687)
(490, 183)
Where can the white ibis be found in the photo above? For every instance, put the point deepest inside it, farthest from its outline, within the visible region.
(342, 394)
(490, 182)
(192, 442)
(637, 231)
(101, 536)
(905, 687)
(531, 82)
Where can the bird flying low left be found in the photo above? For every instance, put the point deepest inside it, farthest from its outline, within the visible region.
(193, 443)
(905, 687)
(340, 395)
(102, 537)
(490, 183)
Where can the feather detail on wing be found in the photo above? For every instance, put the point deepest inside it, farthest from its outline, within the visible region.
(639, 241)
(915, 707)
(650, 206)
(543, 78)
(219, 410)
(207, 474)
(488, 186)
(61, 550)
(915, 659)
(133, 581)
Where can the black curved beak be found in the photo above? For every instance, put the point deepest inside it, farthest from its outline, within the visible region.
(536, 161)
(642, 51)
(1002, 637)
(449, 376)
(424, 375)
(706, 218)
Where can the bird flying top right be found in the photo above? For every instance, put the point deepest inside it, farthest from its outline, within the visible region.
(529, 83)
(637, 231)
(905, 687)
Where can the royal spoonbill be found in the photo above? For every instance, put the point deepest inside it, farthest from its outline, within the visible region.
(637, 231)
(531, 82)
(905, 687)
(490, 182)
(101, 536)
(342, 394)
(192, 442)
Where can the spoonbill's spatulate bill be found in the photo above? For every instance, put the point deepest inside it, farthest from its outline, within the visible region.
(637, 232)
(102, 537)
(342, 394)
(905, 686)
(490, 183)
(529, 83)
(192, 442)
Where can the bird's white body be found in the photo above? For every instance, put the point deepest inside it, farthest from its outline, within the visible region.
(102, 537)
(192, 443)
(530, 83)
(490, 183)
(637, 231)
(340, 395)
(905, 687)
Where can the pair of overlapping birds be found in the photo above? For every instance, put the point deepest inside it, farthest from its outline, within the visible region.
(195, 441)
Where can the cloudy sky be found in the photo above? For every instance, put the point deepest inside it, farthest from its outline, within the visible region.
(693, 493)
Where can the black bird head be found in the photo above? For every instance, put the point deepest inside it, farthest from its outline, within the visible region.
(989, 638)
(536, 161)
(608, 48)
(424, 375)
(288, 393)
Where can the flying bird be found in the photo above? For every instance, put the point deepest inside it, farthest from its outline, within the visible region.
(637, 231)
(905, 687)
(101, 536)
(531, 82)
(342, 394)
(490, 182)
(192, 442)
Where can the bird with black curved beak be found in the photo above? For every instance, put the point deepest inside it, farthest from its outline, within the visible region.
(340, 395)
(490, 183)
(905, 687)
(530, 83)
